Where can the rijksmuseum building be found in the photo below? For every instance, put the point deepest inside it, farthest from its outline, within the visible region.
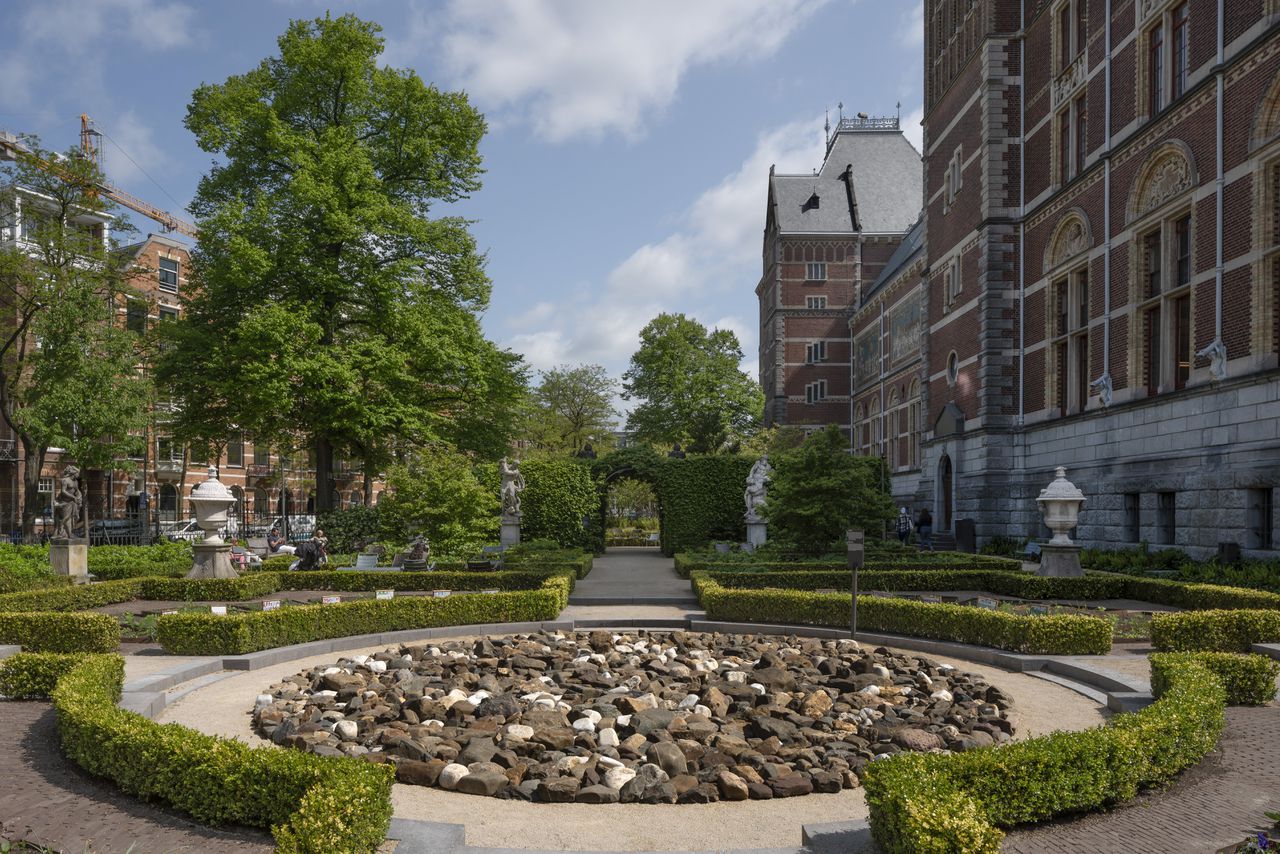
(1082, 270)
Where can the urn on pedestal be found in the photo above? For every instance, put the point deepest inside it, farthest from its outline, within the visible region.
(1060, 503)
(212, 502)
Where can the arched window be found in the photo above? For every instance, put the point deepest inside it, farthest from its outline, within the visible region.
(168, 503)
(237, 509)
(877, 430)
(356, 499)
(378, 498)
(859, 429)
(894, 430)
(261, 503)
(913, 426)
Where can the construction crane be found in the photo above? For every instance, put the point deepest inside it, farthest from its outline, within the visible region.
(90, 146)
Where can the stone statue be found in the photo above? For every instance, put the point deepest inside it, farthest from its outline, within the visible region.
(676, 452)
(1103, 385)
(1216, 353)
(512, 485)
(587, 452)
(755, 492)
(68, 504)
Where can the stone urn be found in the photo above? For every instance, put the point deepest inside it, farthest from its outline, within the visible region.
(213, 502)
(1060, 504)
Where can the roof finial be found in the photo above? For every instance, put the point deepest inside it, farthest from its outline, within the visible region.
(899, 106)
(841, 106)
(826, 125)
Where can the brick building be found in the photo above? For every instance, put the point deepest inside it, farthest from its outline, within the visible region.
(1099, 281)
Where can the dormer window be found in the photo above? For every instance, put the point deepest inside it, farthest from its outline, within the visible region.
(811, 204)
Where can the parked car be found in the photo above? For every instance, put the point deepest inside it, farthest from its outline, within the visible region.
(118, 532)
(300, 527)
(187, 530)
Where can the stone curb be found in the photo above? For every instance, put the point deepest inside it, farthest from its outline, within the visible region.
(1269, 649)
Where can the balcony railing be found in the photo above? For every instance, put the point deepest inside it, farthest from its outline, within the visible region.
(169, 469)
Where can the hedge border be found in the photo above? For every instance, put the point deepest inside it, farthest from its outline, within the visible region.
(1216, 630)
(931, 803)
(687, 563)
(38, 631)
(1249, 679)
(311, 804)
(1065, 634)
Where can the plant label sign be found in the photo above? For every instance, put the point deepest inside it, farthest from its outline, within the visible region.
(271, 605)
(1039, 610)
(825, 590)
(988, 604)
(218, 610)
(441, 594)
(168, 612)
(490, 590)
(330, 600)
(931, 599)
(384, 594)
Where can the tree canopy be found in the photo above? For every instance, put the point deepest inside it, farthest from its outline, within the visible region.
(571, 406)
(690, 387)
(329, 301)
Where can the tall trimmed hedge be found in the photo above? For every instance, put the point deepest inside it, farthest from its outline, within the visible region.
(559, 495)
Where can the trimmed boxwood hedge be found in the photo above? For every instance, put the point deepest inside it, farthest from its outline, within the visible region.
(1249, 679)
(311, 804)
(1065, 634)
(687, 563)
(38, 631)
(933, 803)
(1222, 631)
(32, 675)
(236, 634)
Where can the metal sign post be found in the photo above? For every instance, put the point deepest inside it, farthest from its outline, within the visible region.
(855, 552)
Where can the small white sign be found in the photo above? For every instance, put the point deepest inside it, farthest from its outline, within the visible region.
(988, 604)
(219, 610)
(932, 600)
(825, 590)
(271, 605)
(441, 594)
(490, 590)
(384, 594)
(168, 612)
(330, 600)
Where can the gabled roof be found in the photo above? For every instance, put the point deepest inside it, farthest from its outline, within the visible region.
(888, 186)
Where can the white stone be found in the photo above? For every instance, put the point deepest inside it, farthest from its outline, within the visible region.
(624, 720)
(873, 690)
(881, 671)
(584, 725)
(545, 703)
(451, 774)
(759, 689)
(331, 670)
(593, 714)
(607, 737)
(520, 731)
(325, 695)
(689, 701)
(616, 778)
(568, 763)
(360, 659)
(945, 696)
(378, 666)
(736, 676)
(263, 701)
(702, 710)
(478, 697)
(346, 730)
(609, 762)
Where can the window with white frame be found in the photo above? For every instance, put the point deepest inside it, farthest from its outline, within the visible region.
(815, 352)
(1166, 58)
(815, 302)
(169, 274)
(953, 180)
(1164, 309)
(954, 284)
(1069, 342)
(815, 271)
(815, 392)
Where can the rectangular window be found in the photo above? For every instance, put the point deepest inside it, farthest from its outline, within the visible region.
(1082, 372)
(1063, 382)
(1082, 299)
(135, 319)
(1064, 148)
(1182, 341)
(1082, 26)
(1153, 351)
(1182, 241)
(1132, 517)
(815, 352)
(815, 302)
(955, 284)
(815, 392)
(235, 451)
(1152, 246)
(815, 271)
(1261, 516)
(169, 275)
(167, 450)
(1166, 518)
(1155, 68)
(1082, 142)
(1061, 310)
(1064, 36)
(1180, 16)
(167, 313)
(46, 485)
(261, 455)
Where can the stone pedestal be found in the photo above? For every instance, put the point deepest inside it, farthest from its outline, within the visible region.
(757, 534)
(1060, 561)
(70, 557)
(510, 532)
(212, 560)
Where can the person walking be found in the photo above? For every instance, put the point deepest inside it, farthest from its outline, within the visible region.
(904, 525)
(924, 526)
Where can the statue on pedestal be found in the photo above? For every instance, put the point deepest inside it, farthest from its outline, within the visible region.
(512, 486)
(68, 505)
(755, 493)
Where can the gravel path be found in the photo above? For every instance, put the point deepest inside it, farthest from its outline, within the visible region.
(48, 800)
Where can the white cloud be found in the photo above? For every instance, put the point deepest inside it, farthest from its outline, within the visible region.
(73, 25)
(912, 32)
(913, 130)
(128, 133)
(537, 314)
(586, 69)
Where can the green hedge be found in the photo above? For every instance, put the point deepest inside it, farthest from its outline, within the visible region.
(1249, 680)
(78, 598)
(172, 559)
(37, 631)
(931, 803)
(236, 634)
(558, 495)
(525, 578)
(311, 804)
(574, 560)
(1052, 635)
(32, 675)
(741, 562)
(1222, 631)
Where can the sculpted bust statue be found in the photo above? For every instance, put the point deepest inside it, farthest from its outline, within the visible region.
(68, 504)
(755, 493)
(512, 485)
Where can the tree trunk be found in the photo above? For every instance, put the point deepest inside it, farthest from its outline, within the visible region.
(324, 476)
(368, 486)
(34, 459)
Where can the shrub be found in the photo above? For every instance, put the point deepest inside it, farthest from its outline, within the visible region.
(1222, 631)
(76, 598)
(559, 495)
(523, 578)
(742, 561)
(937, 803)
(32, 675)
(276, 563)
(438, 494)
(236, 634)
(164, 558)
(210, 589)
(1065, 634)
(348, 530)
(1249, 679)
(53, 632)
(311, 804)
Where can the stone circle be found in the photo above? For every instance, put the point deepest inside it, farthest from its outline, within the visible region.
(649, 717)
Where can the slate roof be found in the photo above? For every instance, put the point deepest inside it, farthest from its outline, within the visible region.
(901, 257)
(887, 186)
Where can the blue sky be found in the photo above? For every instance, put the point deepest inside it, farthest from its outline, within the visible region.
(629, 142)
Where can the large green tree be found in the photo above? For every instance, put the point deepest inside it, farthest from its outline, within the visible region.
(68, 375)
(437, 493)
(690, 387)
(572, 405)
(330, 302)
(819, 490)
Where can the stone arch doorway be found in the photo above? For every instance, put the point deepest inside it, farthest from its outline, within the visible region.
(618, 476)
(946, 494)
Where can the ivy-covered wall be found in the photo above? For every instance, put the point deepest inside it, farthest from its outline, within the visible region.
(559, 494)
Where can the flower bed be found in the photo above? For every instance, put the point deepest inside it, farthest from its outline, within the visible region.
(935, 803)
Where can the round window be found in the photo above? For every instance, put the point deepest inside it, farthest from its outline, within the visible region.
(953, 368)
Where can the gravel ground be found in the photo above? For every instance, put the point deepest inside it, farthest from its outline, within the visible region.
(224, 708)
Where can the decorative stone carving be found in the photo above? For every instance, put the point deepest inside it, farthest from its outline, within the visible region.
(756, 489)
(1071, 239)
(1169, 178)
(1103, 385)
(68, 505)
(1216, 353)
(512, 486)
(1066, 83)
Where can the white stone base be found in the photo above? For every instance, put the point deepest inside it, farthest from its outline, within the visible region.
(757, 534)
(70, 557)
(510, 533)
(212, 561)
(1060, 561)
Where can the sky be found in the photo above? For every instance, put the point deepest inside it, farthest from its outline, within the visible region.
(629, 142)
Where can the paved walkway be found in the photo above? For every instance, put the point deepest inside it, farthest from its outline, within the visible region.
(1210, 806)
(48, 800)
(625, 576)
